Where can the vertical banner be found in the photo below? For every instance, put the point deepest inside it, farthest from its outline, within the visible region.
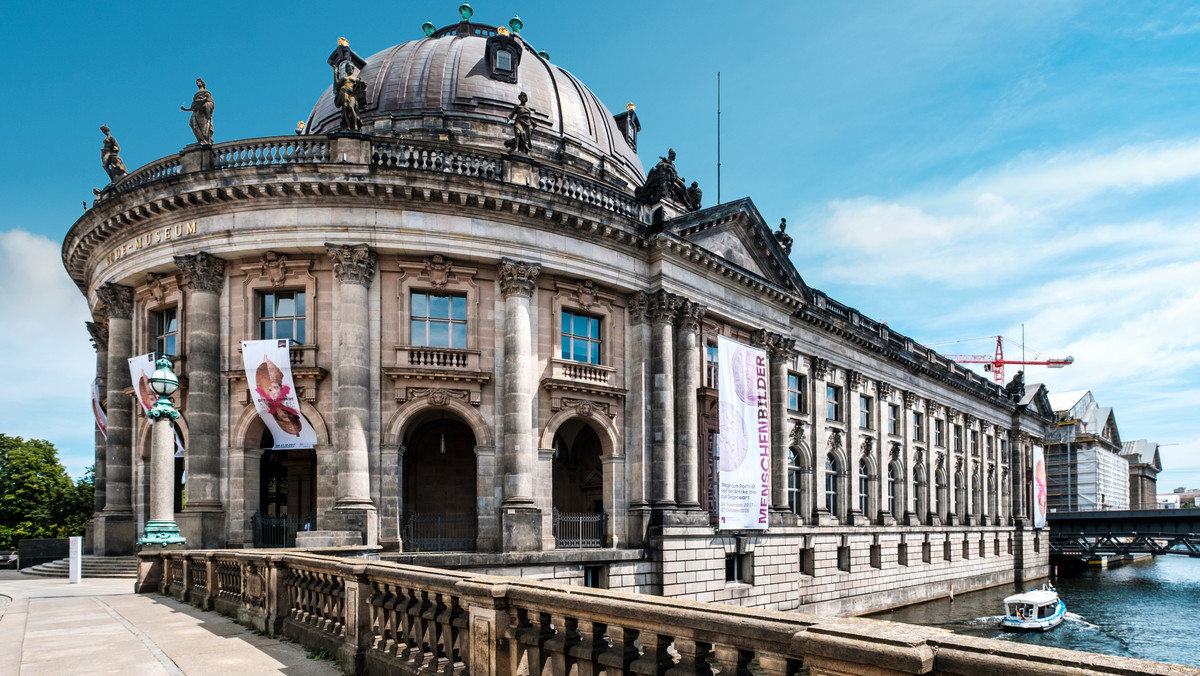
(141, 368)
(745, 441)
(269, 375)
(98, 409)
(1039, 487)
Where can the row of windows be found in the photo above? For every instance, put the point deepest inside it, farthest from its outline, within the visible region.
(437, 320)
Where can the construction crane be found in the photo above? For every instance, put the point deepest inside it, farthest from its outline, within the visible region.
(996, 363)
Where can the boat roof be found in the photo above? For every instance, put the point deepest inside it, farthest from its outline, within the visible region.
(1038, 597)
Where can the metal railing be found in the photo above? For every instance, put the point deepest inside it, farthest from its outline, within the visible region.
(278, 531)
(447, 532)
(578, 531)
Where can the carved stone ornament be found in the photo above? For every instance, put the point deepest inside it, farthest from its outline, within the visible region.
(919, 457)
(759, 338)
(438, 396)
(884, 389)
(518, 277)
(117, 299)
(853, 379)
(896, 450)
(688, 317)
(353, 264)
(663, 306)
(583, 407)
(99, 333)
(784, 239)
(585, 293)
(958, 464)
(931, 407)
(968, 420)
(951, 414)
(203, 271)
(835, 439)
(819, 367)
(941, 460)
(523, 123)
(868, 443)
(637, 303)
(154, 287)
(274, 268)
(796, 437)
(438, 269)
(910, 400)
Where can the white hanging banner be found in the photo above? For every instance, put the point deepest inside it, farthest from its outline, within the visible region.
(141, 368)
(269, 375)
(745, 443)
(1040, 495)
(98, 409)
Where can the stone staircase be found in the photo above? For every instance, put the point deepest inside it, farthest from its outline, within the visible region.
(93, 566)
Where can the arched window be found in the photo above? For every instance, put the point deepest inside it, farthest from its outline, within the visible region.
(918, 488)
(891, 490)
(831, 477)
(863, 475)
(793, 476)
(939, 479)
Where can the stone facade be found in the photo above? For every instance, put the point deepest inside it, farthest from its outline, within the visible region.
(508, 353)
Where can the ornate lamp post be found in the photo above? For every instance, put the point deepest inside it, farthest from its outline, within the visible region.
(162, 529)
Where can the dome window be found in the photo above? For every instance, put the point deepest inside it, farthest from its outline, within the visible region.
(503, 57)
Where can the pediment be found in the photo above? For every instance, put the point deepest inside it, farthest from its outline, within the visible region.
(736, 233)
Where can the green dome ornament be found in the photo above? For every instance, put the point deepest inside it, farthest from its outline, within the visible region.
(515, 24)
(544, 54)
(429, 28)
(465, 11)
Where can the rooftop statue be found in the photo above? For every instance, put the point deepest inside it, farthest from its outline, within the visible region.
(202, 114)
(694, 194)
(350, 95)
(110, 156)
(663, 181)
(784, 239)
(521, 117)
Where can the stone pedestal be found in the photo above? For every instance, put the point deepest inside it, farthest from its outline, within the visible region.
(202, 529)
(322, 539)
(115, 534)
(361, 520)
(195, 157)
(350, 148)
(520, 529)
(783, 517)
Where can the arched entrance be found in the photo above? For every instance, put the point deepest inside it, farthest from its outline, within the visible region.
(287, 494)
(578, 486)
(438, 485)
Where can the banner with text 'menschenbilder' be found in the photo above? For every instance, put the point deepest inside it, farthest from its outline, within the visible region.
(269, 375)
(745, 441)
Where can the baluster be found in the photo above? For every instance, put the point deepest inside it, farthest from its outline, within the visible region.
(535, 636)
(378, 621)
(432, 615)
(692, 658)
(778, 665)
(621, 653)
(403, 624)
(449, 633)
(733, 660)
(460, 619)
(387, 611)
(559, 646)
(416, 613)
(587, 650)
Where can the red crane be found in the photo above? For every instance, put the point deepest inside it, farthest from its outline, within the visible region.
(996, 364)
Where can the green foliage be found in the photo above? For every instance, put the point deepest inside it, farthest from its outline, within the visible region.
(37, 497)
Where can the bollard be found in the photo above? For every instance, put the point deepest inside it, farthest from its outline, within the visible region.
(76, 553)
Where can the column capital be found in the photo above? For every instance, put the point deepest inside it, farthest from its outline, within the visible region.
(884, 389)
(518, 277)
(854, 379)
(203, 271)
(910, 400)
(353, 263)
(663, 306)
(778, 347)
(689, 314)
(818, 367)
(99, 333)
(638, 304)
(117, 299)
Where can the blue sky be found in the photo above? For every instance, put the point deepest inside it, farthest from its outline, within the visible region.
(954, 169)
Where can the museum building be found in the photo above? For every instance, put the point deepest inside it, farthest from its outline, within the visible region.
(502, 330)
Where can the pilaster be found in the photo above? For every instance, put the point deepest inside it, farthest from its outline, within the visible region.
(521, 524)
(662, 309)
(687, 408)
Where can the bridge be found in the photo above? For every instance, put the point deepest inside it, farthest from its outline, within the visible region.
(1085, 535)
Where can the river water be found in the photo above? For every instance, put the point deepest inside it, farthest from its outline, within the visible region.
(1148, 609)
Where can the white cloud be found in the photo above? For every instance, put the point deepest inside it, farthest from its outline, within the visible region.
(47, 361)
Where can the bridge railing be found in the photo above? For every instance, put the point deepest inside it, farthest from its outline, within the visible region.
(384, 618)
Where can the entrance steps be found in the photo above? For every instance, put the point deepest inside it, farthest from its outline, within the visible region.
(93, 566)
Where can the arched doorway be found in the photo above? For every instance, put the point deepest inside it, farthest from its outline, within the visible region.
(287, 494)
(578, 488)
(438, 488)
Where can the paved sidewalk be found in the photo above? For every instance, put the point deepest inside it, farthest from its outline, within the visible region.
(100, 626)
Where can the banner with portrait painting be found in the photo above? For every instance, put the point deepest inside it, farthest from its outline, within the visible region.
(745, 441)
(98, 409)
(141, 368)
(269, 375)
(1040, 495)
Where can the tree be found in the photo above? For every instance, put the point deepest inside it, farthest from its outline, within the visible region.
(37, 497)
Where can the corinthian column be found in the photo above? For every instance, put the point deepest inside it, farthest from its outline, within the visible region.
(687, 409)
(115, 536)
(99, 332)
(205, 278)
(354, 267)
(663, 307)
(520, 518)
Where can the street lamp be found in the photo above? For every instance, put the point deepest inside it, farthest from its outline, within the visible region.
(161, 529)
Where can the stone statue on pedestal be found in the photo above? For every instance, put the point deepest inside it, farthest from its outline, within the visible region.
(202, 114)
(523, 123)
(350, 95)
(110, 156)
(663, 181)
(784, 239)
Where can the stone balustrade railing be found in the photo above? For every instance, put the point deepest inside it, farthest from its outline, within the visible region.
(596, 374)
(409, 156)
(382, 618)
(572, 187)
(267, 152)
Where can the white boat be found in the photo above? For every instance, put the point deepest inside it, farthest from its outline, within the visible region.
(1034, 610)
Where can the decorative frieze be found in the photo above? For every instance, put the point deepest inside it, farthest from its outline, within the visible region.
(117, 299)
(203, 271)
(517, 277)
(438, 396)
(353, 264)
(583, 407)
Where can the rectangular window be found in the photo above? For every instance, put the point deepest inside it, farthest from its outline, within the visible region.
(958, 438)
(795, 393)
(926, 552)
(877, 556)
(439, 320)
(739, 568)
(593, 576)
(580, 337)
(975, 442)
(281, 315)
(918, 421)
(902, 554)
(833, 402)
(843, 559)
(864, 412)
(166, 330)
(710, 366)
(939, 429)
(893, 419)
(990, 447)
(807, 561)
